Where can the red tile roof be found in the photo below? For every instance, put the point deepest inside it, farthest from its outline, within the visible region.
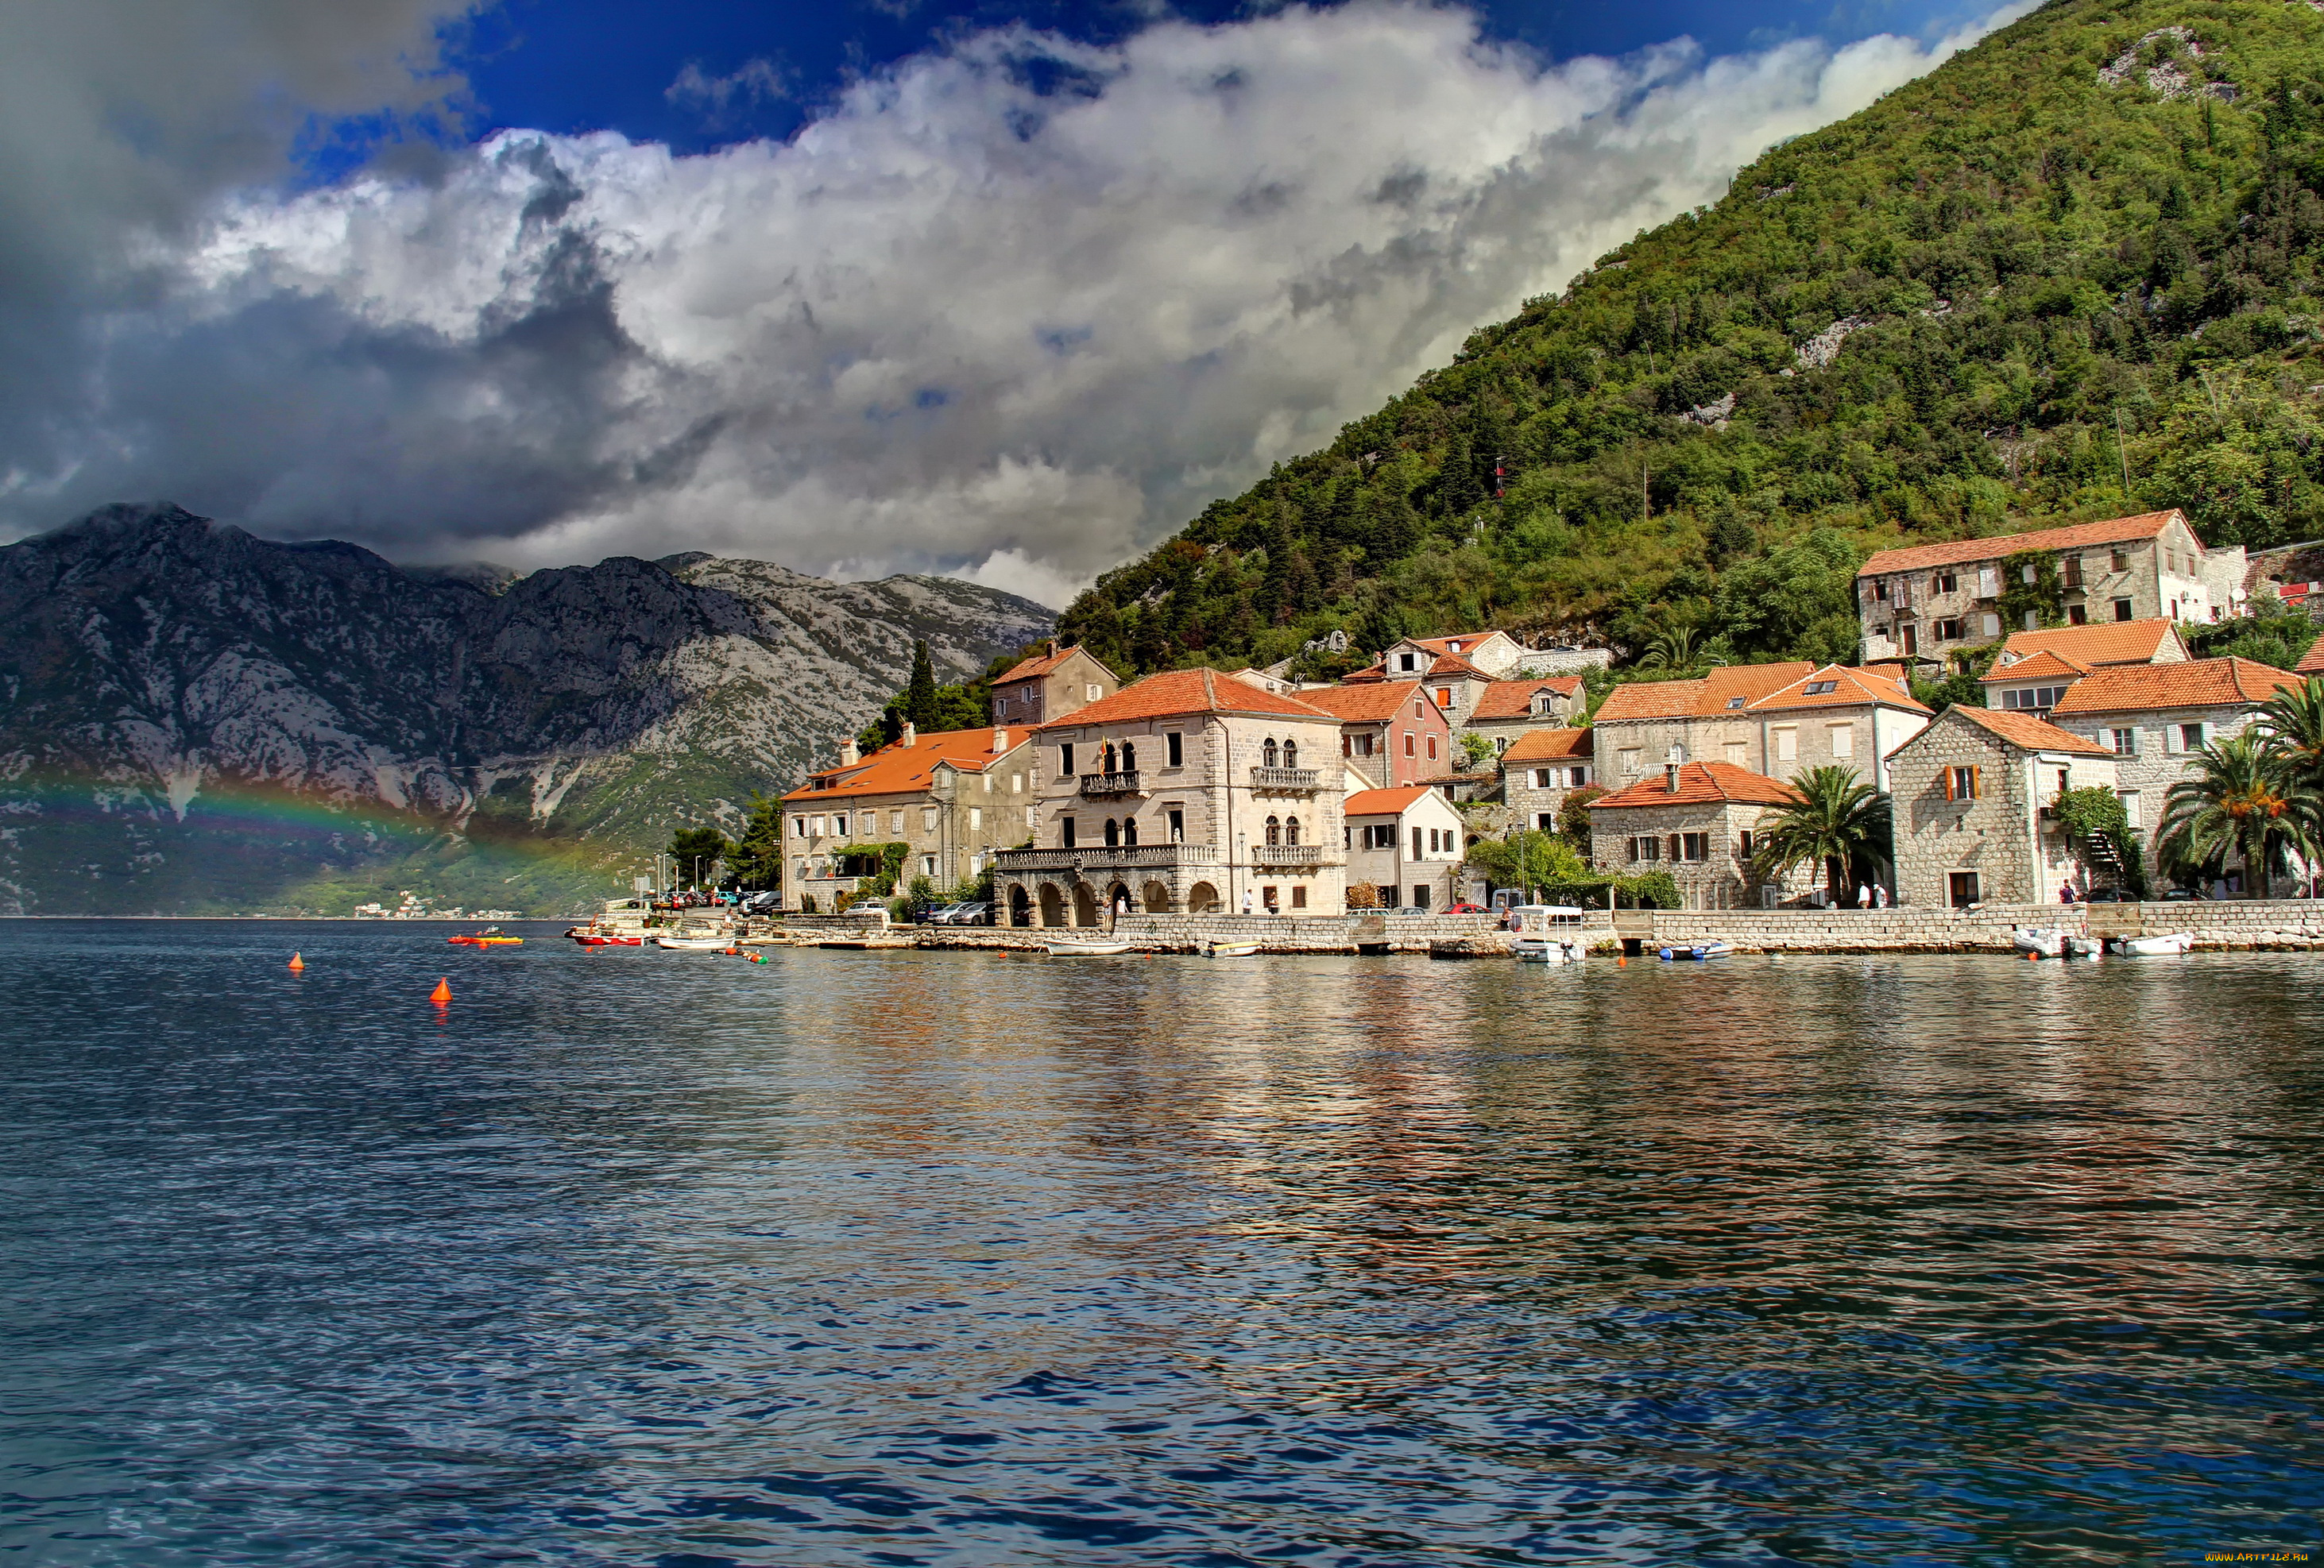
(2108, 643)
(1453, 664)
(1383, 802)
(1040, 664)
(897, 769)
(1187, 691)
(2025, 731)
(2312, 662)
(1702, 697)
(1513, 699)
(1550, 745)
(2199, 683)
(1849, 688)
(2034, 665)
(1699, 784)
(1961, 552)
(1371, 704)
(1467, 639)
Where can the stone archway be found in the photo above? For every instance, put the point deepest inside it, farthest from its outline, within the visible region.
(1084, 905)
(1118, 896)
(1156, 898)
(1053, 905)
(1020, 907)
(1203, 898)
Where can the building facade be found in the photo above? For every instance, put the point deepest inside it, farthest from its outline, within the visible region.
(1695, 820)
(1406, 843)
(1188, 792)
(1507, 709)
(1925, 602)
(1391, 732)
(1969, 794)
(951, 798)
(1541, 768)
(1779, 720)
(1049, 686)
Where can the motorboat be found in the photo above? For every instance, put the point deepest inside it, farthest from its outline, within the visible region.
(490, 936)
(1230, 950)
(1699, 950)
(2042, 941)
(2084, 946)
(1087, 949)
(694, 944)
(1545, 950)
(589, 939)
(1547, 932)
(2172, 945)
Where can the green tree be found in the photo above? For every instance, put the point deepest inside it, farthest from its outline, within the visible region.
(697, 853)
(1476, 749)
(2292, 723)
(756, 860)
(921, 706)
(1573, 817)
(2240, 798)
(1526, 859)
(1837, 821)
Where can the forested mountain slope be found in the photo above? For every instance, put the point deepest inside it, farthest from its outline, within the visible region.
(2071, 273)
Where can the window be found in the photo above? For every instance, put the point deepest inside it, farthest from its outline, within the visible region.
(1694, 846)
(2125, 741)
(1628, 759)
(2077, 615)
(821, 827)
(1445, 697)
(896, 821)
(1961, 887)
(1380, 835)
(1964, 783)
(1909, 637)
(1130, 832)
(1177, 826)
(1578, 777)
(2130, 809)
(975, 817)
(1291, 830)
(1823, 688)
(1733, 703)
(1174, 750)
(1542, 778)
(2070, 572)
(1843, 740)
(1291, 753)
(2169, 563)
(1407, 662)
(1545, 821)
(1275, 830)
(1991, 623)
(1947, 631)
(2190, 737)
(1016, 783)
(927, 818)
(1069, 827)
(1943, 583)
(2121, 561)
(1543, 701)
(839, 825)
(1299, 897)
(1787, 744)
(1432, 748)
(1738, 753)
(1364, 744)
(2028, 575)
(1646, 847)
(2034, 699)
(2033, 620)
(2122, 609)
(1416, 851)
(1065, 761)
(799, 824)
(1269, 755)
(1880, 590)
(1988, 582)
(927, 865)
(1743, 844)
(1128, 758)
(1096, 691)
(1408, 743)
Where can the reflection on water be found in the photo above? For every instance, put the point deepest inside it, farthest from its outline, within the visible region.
(645, 1257)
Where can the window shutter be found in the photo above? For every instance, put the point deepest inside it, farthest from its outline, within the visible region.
(1949, 783)
(1976, 781)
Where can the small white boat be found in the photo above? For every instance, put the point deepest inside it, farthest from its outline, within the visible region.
(1699, 950)
(2042, 941)
(1230, 950)
(1545, 950)
(696, 944)
(1087, 949)
(2084, 946)
(2173, 945)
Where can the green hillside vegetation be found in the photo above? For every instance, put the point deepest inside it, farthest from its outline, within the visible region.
(2052, 298)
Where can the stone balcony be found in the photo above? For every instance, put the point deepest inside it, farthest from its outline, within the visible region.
(1099, 786)
(1292, 855)
(1288, 781)
(1097, 857)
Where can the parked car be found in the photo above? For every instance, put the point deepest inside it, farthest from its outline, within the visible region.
(2185, 896)
(939, 914)
(762, 903)
(971, 914)
(1466, 908)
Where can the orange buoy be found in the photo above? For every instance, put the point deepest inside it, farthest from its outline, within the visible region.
(442, 993)
(297, 963)
(2030, 957)
(1623, 962)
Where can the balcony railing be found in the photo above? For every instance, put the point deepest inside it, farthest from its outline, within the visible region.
(1097, 857)
(1110, 783)
(1301, 780)
(1288, 854)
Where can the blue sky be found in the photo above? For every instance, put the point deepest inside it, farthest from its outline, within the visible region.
(573, 66)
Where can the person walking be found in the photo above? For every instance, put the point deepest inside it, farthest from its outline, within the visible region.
(2065, 892)
(1880, 897)
(1863, 896)
(1246, 901)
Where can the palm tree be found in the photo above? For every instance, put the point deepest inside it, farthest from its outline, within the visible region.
(2292, 720)
(1674, 648)
(1836, 818)
(2242, 795)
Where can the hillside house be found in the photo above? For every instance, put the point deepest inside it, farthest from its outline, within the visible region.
(1780, 720)
(1408, 843)
(1971, 793)
(1541, 768)
(1507, 709)
(1185, 792)
(1049, 686)
(952, 798)
(1391, 732)
(1695, 820)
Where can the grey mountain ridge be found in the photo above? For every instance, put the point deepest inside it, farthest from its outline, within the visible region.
(157, 668)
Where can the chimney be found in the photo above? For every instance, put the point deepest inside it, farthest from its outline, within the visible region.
(1673, 761)
(1000, 741)
(911, 733)
(848, 755)
(1053, 648)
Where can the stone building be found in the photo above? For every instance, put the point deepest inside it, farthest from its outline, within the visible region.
(2153, 717)
(2312, 662)
(952, 798)
(1391, 732)
(1971, 793)
(1049, 686)
(1780, 720)
(1695, 820)
(1409, 844)
(1507, 709)
(1924, 602)
(1186, 792)
(2034, 668)
(1541, 768)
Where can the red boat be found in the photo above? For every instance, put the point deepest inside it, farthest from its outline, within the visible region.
(588, 939)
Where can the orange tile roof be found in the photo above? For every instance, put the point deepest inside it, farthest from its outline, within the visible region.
(2025, 731)
(1550, 745)
(1467, 639)
(2108, 643)
(2312, 662)
(1849, 687)
(1961, 552)
(1383, 802)
(1187, 691)
(1513, 699)
(1700, 784)
(2047, 661)
(1040, 664)
(1703, 696)
(897, 769)
(1371, 704)
(1453, 664)
(2198, 683)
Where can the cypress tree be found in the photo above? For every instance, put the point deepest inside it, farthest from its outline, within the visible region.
(920, 697)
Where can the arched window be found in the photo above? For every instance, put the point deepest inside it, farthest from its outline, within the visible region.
(1112, 832)
(1130, 831)
(1267, 753)
(1128, 760)
(1105, 759)
(1291, 753)
(1275, 830)
(1291, 830)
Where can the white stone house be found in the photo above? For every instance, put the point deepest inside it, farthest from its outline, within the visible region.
(952, 798)
(1408, 843)
(1541, 768)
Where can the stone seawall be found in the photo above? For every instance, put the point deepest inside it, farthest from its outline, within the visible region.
(1274, 934)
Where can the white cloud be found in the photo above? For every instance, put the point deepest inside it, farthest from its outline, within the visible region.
(953, 324)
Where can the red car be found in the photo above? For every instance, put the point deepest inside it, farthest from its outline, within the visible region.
(1465, 909)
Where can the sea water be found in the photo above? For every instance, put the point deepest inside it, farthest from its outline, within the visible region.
(646, 1258)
